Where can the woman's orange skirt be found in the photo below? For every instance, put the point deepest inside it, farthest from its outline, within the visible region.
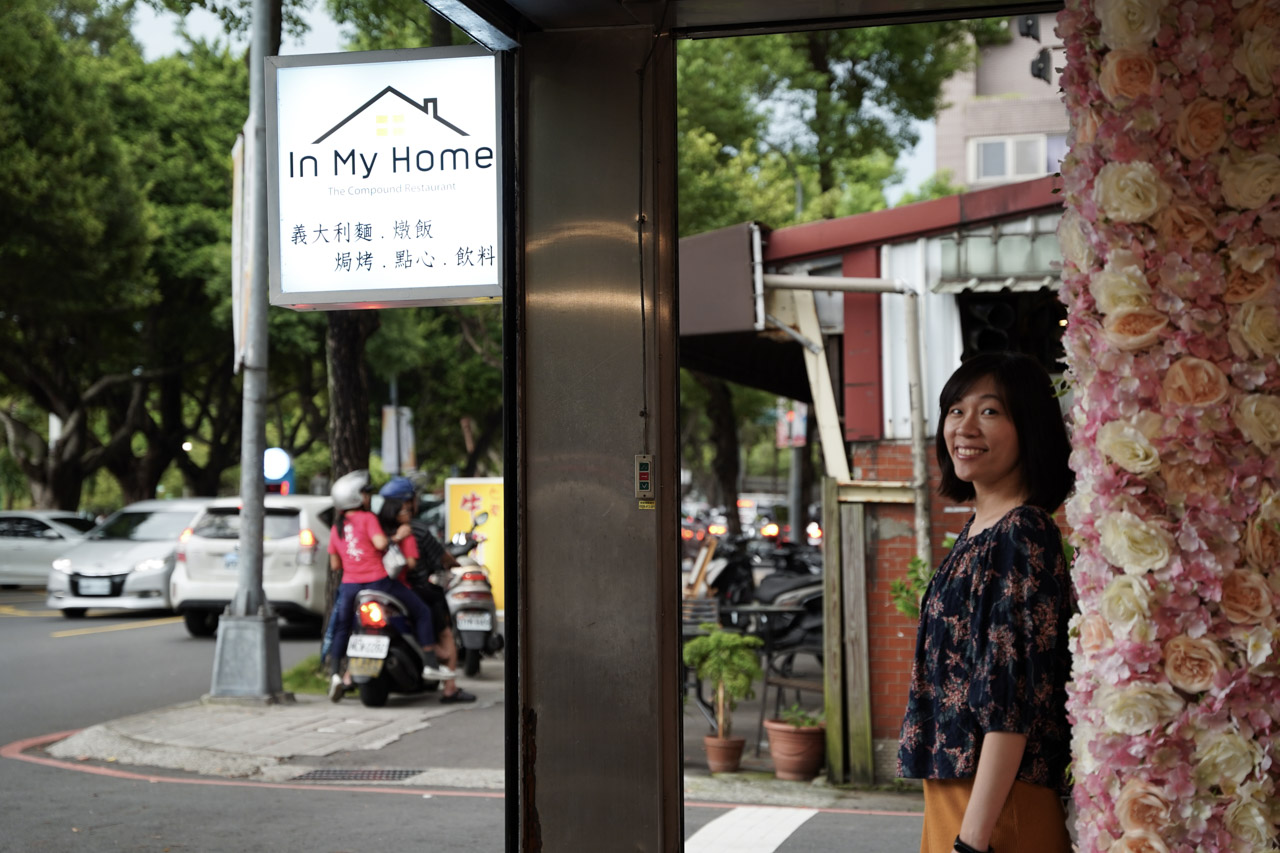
(1032, 820)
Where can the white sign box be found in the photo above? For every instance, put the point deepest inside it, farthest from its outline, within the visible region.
(385, 178)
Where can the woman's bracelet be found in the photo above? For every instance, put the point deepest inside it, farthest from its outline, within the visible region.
(961, 847)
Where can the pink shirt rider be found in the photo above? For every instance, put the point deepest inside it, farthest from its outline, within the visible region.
(361, 562)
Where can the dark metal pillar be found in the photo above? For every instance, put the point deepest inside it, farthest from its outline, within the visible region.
(599, 692)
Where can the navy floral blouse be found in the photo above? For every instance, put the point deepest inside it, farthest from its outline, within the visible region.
(992, 654)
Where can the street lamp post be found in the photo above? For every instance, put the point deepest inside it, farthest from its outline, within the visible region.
(246, 661)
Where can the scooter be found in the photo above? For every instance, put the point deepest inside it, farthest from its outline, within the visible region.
(471, 606)
(383, 655)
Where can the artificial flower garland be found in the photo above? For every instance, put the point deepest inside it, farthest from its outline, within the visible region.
(1172, 191)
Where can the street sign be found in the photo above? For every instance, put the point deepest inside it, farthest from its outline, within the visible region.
(384, 172)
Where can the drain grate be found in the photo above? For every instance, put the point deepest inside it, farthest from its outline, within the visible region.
(336, 774)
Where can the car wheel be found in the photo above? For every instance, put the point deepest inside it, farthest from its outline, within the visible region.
(200, 623)
(74, 612)
(471, 666)
(374, 693)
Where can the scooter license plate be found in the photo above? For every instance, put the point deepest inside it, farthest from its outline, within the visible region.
(368, 646)
(474, 621)
(370, 667)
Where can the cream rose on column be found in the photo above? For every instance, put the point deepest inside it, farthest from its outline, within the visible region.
(1138, 841)
(1126, 605)
(1258, 58)
(1135, 545)
(1248, 823)
(1246, 597)
(1140, 708)
(1121, 283)
(1225, 756)
(1249, 183)
(1142, 806)
(1257, 416)
(1125, 445)
(1195, 382)
(1128, 23)
(1073, 242)
(1256, 327)
(1127, 74)
(1201, 129)
(1129, 192)
(1192, 664)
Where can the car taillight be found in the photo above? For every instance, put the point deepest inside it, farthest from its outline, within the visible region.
(372, 615)
(717, 530)
(306, 539)
(769, 529)
(686, 533)
(185, 535)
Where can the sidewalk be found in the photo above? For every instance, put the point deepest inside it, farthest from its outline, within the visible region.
(411, 742)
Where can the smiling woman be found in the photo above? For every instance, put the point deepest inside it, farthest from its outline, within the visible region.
(986, 726)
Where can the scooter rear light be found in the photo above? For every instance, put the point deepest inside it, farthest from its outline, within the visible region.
(372, 615)
(474, 596)
(473, 576)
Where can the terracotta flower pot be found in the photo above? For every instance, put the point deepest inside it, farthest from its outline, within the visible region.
(797, 750)
(724, 755)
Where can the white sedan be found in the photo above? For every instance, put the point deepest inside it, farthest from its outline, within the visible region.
(30, 540)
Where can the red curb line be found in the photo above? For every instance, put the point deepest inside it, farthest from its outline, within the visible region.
(17, 750)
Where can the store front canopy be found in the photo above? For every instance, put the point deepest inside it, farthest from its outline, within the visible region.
(498, 24)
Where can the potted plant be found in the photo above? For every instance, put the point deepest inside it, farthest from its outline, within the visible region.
(797, 743)
(730, 662)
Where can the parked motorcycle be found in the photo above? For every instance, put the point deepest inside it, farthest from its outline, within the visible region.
(383, 655)
(790, 575)
(471, 605)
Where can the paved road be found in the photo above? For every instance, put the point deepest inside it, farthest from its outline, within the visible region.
(61, 674)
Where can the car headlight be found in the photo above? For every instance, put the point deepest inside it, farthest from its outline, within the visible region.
(62, 564)
(155, 564)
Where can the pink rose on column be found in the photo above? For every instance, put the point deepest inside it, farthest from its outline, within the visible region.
(1246, 597)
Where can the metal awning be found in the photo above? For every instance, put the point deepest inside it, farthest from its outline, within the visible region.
(498, 24)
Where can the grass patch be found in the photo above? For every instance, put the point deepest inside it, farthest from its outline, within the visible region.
(309, 676)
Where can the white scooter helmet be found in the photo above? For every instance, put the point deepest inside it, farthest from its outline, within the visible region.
(347, 491)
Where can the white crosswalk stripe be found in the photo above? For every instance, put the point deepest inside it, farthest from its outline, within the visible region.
(749, 829)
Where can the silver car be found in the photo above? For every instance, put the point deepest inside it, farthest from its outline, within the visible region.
(30, 540)
(126, 561)
(295, 562)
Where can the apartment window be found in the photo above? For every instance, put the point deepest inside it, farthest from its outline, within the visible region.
(1008, 158)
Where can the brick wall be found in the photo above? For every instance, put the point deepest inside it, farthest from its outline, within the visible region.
(891, 544)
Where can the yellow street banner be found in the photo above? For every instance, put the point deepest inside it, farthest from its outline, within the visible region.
(465, 498)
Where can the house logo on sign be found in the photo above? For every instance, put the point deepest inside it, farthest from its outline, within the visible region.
(428, 107)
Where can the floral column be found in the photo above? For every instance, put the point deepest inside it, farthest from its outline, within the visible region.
(1172, 191)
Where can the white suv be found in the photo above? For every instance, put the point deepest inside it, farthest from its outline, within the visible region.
(295, 563)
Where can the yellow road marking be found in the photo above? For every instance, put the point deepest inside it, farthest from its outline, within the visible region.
(10, 610)
(79, 632)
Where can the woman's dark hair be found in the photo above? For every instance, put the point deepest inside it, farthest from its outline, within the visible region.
(387, 514)
(1043, 446)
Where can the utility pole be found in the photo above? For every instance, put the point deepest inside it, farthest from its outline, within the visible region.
(246, 662)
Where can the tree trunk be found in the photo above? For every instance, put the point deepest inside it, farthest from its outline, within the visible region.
(724, 436)
(348, 406)
(348, 389)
